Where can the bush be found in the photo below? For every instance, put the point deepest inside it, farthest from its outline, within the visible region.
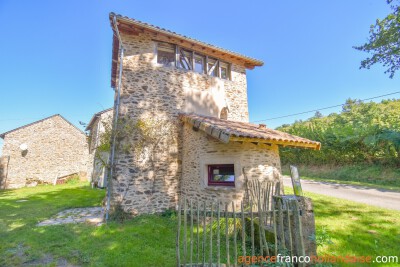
(118, 214)
(74, 179)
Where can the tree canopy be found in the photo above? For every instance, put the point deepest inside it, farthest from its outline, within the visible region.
(384, 41)
(361, 133)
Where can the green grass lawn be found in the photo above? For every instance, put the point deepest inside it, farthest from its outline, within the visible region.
(364, 175)
(354, 229)
(143, 241)
(349, 228)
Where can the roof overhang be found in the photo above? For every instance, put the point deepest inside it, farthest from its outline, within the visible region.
(134, 27)
(95, 116)
(232, 131)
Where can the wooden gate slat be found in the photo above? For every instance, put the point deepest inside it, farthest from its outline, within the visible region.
(227, 234)
(178, 235)
(234, 234)
(211, 234)
(184, 232)
(204, 233)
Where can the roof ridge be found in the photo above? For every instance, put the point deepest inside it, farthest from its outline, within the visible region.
(38, 121)
(95, 115)
(155, 27)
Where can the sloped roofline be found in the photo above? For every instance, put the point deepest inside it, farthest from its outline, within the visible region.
(226, 131)
(35, 122)
(135, 25)
(90, 124)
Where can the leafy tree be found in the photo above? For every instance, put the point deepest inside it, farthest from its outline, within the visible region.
(384, 42)
(318, 114)
(362, 132)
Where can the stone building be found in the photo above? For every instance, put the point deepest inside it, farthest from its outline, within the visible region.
(100, 123)
(206, 142)
(44, 150)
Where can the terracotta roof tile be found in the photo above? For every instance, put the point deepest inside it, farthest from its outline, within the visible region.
(137, 23)
(226, 131)
(172, 33)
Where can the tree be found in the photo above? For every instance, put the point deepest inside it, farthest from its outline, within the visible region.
(384, 42)
(318, 114)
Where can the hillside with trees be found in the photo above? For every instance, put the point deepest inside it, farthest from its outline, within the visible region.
(363, 136)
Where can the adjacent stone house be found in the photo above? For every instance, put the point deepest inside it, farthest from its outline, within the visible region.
(44, 150)
(100, 124)
(205, 142)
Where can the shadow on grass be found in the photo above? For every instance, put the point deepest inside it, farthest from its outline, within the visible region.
(148, 240)
(357, 229)
(28, 206)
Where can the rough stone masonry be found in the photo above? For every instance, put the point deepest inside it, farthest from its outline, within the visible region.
(55, 148)
(152, 90)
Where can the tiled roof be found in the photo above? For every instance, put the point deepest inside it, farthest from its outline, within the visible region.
(89, 126)
(29, 124)
(226, 131)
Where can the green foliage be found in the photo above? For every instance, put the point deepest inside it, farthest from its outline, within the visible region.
(147, 134)
(361, 133)
(75, 179)
(322, 236)
(118, 214)
(169, 213)
(376, 176)
(384, 42)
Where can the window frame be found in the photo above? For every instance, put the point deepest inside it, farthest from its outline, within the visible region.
(211, 182)
(203, 60)
(192, 64)
(228, 69)
(185, 56)
(157, 59)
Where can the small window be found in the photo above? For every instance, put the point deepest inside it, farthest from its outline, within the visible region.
(224, 70)
(212, 67)
(222, 174)
(166, 54)
(199, 63)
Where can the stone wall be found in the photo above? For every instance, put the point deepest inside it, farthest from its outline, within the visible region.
(3, 171)
(95, 167)
(200, 150)
(99, 127)
(55, 149)
(151, 90)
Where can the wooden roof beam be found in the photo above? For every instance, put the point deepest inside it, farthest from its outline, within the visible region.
(276, 142)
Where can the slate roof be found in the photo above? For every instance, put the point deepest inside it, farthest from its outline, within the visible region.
(29, 124)
(226, 131)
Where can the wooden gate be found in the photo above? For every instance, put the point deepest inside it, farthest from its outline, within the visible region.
(214, 233)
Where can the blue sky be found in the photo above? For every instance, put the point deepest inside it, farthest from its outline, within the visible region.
(56, 55)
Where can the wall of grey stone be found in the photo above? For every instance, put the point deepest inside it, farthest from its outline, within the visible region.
(55, 149)
(3, 171)
(200, 150)
(99, 127)
(151, 90)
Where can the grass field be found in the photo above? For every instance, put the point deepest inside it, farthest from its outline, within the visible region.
(364, 175)
(343, 228)
(349, 228)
